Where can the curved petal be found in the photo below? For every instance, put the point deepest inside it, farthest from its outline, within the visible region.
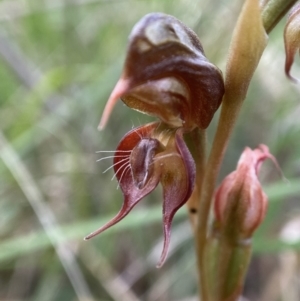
(292, 40)
(132, 194)
(178, 179)
(130, 200)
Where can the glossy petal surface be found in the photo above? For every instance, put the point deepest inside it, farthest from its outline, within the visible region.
(166, 74)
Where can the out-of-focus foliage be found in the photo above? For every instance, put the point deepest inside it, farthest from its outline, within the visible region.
(59, 60)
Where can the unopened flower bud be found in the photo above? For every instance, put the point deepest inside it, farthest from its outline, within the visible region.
(240, 203)
(292, 39)
(167, 75)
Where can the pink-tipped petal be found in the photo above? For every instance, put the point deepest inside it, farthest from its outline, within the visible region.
(131, 198)
(268, 155)
(126, 208)
(167, 237)
(292, 40)
(120, 89)
(290, 55)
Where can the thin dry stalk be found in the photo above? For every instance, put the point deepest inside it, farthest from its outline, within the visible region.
(46, 217)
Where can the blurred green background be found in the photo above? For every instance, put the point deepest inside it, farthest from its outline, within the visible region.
(59, 61)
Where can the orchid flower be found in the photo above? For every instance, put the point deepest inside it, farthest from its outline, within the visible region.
(166, 75)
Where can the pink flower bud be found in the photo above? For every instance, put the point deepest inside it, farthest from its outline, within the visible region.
(240, 203)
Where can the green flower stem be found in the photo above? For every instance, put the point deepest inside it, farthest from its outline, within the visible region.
(227, 264)
(196, 141)
(273, 11)
(229, 114)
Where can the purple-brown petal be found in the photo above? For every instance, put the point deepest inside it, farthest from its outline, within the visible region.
(142, 161)
(178, 179)
(292, 39)
(132, 194)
